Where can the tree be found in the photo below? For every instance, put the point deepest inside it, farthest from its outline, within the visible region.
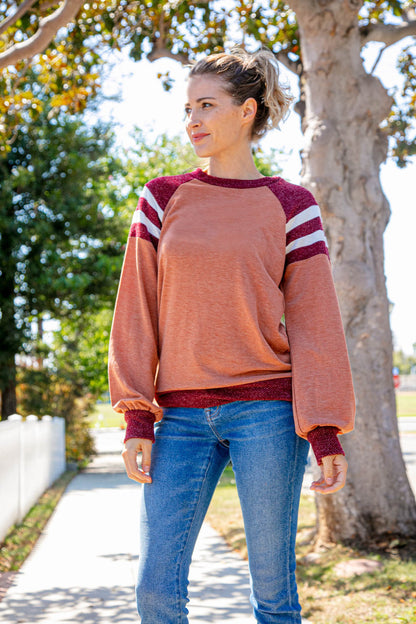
(67, 41)
(60, 244)
(344, 147)
(348, 120)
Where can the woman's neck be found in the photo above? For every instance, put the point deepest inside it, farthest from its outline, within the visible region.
(238, 169)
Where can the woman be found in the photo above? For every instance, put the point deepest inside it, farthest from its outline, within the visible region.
(227, 315)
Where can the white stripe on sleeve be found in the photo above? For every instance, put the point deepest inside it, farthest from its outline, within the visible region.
(140, 217)
(147, 195)
(307, 240)
(306, 215)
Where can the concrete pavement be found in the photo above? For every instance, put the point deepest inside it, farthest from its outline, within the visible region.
(407, 429)
(83, 568)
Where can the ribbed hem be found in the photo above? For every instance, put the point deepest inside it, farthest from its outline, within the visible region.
(139, 425)
(324, 441)
(279, 389)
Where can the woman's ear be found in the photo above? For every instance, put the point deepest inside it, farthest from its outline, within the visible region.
(249, 110)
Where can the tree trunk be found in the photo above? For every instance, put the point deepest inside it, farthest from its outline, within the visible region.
(344, 148)
(10, 334)
(8, 394)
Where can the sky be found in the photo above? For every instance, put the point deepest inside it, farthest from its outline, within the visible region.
(144, 103)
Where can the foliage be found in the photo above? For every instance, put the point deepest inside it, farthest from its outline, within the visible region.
(404, 110)
(80, 446)
(66, 71)
(82, 344)
(383, 10)
(268, 163)
(60, 240)
(60, 392)
(152, 157)
(74, 377)
(54, 189)
(405, 363)
(69, 68)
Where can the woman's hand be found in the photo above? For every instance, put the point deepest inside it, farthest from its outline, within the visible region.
(132, 448)
(333, 474)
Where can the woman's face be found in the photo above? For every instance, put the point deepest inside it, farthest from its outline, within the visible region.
(214, 123)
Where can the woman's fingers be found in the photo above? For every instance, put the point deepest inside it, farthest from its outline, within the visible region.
(146, 455)
(132, 448)
(334, 474)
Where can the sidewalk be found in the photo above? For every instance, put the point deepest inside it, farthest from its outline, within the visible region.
(83, 568)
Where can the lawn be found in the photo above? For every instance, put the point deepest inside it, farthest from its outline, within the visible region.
(387, 596)
(406, 403)
(104, 416)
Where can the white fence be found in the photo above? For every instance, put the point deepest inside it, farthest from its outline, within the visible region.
(32, 457)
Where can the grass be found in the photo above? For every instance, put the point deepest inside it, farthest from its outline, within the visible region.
(406, 403)
(104, 416)
(386, 596)
(21, 538)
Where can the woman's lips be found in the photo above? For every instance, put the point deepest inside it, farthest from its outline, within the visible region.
(198, 137)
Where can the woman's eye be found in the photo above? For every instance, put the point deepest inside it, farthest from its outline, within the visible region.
(204, 104)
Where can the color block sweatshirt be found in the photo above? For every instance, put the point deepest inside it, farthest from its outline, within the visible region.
(226, 293)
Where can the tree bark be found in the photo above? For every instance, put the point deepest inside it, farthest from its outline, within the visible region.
(344, 147)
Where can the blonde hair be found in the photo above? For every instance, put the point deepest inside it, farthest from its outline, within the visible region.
(250, 75)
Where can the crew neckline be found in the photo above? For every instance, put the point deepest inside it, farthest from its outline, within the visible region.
(234, 182)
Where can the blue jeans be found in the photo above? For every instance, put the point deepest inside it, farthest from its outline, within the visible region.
(192, 448)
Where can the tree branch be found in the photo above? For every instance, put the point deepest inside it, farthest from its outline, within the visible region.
(159, 51)
(12, 19)
(378, 58)
(387, 33)
(48, 27)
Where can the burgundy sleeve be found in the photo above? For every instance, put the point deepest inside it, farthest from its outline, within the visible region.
(324, 442)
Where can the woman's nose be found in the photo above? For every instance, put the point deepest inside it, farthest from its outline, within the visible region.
(193, 121)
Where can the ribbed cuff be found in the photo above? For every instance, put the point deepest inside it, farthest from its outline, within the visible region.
(324, 441)
(139, 425)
